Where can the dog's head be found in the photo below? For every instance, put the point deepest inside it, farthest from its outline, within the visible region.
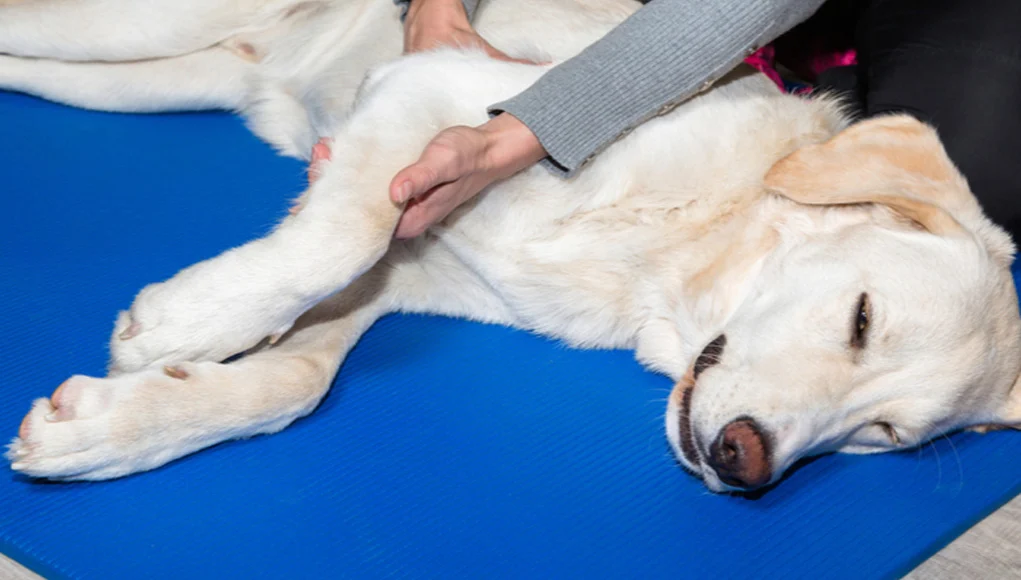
(884, 316)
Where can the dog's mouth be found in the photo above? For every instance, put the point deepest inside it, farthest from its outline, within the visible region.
(687, 435)
(688, 442)
(681, 428)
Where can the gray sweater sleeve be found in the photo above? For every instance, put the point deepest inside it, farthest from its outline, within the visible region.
(469, 7)
(666, 52)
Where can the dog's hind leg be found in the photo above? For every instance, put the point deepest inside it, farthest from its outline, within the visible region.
(119, 30)
(93, 428)
(212, 78)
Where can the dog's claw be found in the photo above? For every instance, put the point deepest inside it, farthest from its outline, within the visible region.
(16, 449)
(130, 332)
(175, 372)
(276, 336)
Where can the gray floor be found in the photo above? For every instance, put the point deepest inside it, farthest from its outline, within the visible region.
(991, 549)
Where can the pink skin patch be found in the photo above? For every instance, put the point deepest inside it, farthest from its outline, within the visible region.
(320, 153)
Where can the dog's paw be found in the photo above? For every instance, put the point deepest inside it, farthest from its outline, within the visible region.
(92, 429)
(202, 314)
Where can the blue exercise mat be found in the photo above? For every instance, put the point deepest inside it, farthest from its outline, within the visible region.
(446, 449)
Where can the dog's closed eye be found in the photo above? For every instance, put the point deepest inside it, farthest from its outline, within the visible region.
(710, 355)
(860, 322)
(877, 435)
(890, 432)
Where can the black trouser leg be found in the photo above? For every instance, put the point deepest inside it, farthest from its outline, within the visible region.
(957, 65)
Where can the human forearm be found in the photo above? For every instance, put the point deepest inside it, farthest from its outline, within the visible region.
(661, 56)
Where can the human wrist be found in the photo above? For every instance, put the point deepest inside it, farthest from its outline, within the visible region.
(510, 145)
(451, 13)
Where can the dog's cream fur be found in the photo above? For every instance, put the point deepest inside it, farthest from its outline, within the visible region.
(745, 211)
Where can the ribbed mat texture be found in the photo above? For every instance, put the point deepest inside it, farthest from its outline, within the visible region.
(446, 449)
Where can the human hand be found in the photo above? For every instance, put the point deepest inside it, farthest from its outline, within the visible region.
(431, 24)
(456, 165)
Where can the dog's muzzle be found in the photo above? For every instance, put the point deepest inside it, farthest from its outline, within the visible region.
(740, 454)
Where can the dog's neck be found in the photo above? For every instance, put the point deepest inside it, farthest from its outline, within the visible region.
(729, 227)
(700, 280)
(708, 278)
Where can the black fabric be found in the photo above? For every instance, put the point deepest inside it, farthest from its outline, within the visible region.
(957, 65)
(845, 82)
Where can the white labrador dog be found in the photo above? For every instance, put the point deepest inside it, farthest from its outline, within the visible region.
(811, 287)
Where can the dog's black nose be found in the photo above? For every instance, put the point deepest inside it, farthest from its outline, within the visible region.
(710, 355)
(740, 455)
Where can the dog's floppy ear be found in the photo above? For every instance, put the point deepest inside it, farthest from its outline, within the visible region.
(895, 161)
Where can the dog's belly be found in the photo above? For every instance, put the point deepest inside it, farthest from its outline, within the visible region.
(558, 288)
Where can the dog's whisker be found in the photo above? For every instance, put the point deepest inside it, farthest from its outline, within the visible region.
(939, 465)
(957, 456)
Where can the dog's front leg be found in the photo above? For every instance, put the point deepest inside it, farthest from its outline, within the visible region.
(93, 428)
(225, 305)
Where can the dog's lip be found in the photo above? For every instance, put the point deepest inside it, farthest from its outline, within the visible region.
(689, 447)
